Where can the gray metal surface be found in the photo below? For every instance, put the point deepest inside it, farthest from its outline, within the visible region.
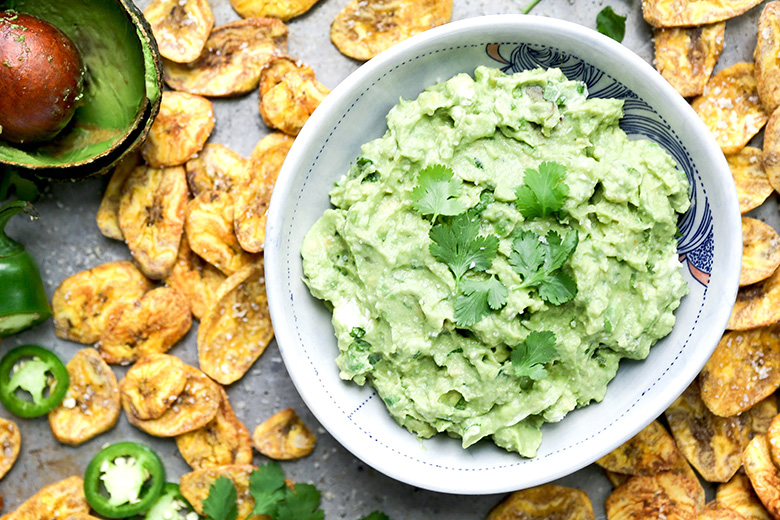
(65, 240)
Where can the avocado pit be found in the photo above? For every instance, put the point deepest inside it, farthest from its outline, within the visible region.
(41, 77)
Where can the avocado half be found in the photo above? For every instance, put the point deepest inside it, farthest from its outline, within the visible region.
(122, 88)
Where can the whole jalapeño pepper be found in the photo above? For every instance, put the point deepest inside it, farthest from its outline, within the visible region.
(23, 302)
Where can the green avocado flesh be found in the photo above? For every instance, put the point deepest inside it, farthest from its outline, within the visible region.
(115, 84)
(396, 304)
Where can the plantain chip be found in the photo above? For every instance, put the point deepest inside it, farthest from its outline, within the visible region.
(85, 303)
(364, 28)
(223, 441)
(283, 436)
(196, 279)
(180, 27)
(757, 419)
(254, 196)
(195, 486)
(681, 13)
(196, 406)
(686, 56)
(662, 495)
(209, 228)
(756, 305)
(289, 94)
(730, 107)
(237, 329)
(10, 442)
(616, 478)
(107, 217)
(773, 439)
(91, 405)
(231, 60)
(179, 131)
(544, 502)
(767, 57)
(648, 452)
(216, 167)
(151, 217)
(742, 371)
(281, 9)
(762, 473)
(771, 158)
(750, 177)
(713, 511)
(712, 444)
(760, 251)
(154, 324)
(152, 384)
(61, 499)
(738, 494)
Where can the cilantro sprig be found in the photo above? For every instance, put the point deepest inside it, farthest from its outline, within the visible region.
(437, 192)
(221, 502)
(530, 357)
(543, 191)
(539, 259)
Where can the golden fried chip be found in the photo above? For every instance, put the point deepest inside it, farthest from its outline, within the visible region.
(615, 478)
(91, 405)
(730, 107)
(743, 370)
(196, 279)
(662, 495)
(713, 511)
(10, 442)
(757, 419)
(85, 303)
(712, 444)
(58, 500)
(108, 213)
(756, 304)
(773, 439)
(738, 494)
(231, 60)
(760, 251)
(283, 436)
(650, 451)
(209, 227)
(216, 167)
(254, 196)
(180, 27)
(772, 150)
(762, 473)
(289, 94)
(364, 28)
(180, 130)
(195, 407)
(281, 9)
(686, 56)
(152, 384)
(544, 502)
(750, 178)
(767, 57)
(195, 486)
(154, 324)
(237, 329)
(223, 441)
(680, 13)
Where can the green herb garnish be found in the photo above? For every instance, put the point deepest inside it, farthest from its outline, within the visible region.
(458, 244)
(539, 261)
(437, 191)
(477, 297)
(221, 502)
(610, 23)
(543, 191)
(530, 356)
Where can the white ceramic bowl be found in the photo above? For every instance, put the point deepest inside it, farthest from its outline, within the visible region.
(354, 113)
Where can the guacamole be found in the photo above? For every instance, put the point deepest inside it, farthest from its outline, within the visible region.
(490, 260)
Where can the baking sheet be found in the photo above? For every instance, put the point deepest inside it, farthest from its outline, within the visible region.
(65, 240)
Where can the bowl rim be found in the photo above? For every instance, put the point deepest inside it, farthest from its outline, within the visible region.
(283, 191)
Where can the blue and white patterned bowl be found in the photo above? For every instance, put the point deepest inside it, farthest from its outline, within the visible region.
(710, 248)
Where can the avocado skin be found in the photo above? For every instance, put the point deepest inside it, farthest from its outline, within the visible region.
(69, 156)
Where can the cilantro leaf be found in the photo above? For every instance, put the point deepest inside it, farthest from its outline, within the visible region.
(610, 23)
(530, 356)
(538, 261)
(437, 191)
(220, 504)
(476, 298)
(376, 515)
(266, 485)
(543, 191)
(458, 244)
(300, 503)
